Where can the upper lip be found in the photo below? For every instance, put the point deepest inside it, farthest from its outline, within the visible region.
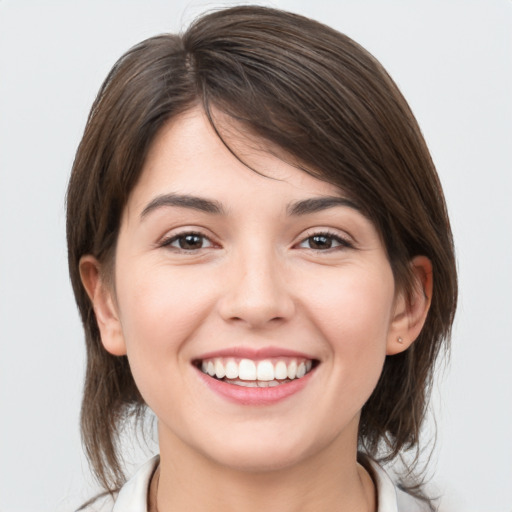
(255, 354)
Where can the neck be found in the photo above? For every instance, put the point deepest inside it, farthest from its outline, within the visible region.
(188, 481)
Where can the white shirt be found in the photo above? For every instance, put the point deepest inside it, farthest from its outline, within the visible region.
(133, 496)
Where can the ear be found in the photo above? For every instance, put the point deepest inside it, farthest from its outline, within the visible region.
(411, 312)
(103, 302)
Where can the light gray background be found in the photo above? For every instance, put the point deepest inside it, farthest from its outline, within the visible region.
(452, 60)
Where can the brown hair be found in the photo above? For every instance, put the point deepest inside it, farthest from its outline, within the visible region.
(321, 98)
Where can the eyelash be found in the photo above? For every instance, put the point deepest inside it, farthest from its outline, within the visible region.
(167, 242)
(343, 243)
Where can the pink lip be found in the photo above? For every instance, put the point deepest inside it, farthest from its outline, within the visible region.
(255, 396)
(254, 354)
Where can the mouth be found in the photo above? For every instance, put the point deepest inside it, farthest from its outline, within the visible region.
(263, 373)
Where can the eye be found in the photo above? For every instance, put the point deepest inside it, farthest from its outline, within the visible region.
(188, 242)
(324, 242)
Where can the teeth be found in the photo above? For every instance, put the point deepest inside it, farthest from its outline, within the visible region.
(292, 370)
(219, 369)
(246, 383)
(247, 370)
(231, 370)
(265, 373)
(255, 383)
(281, 371)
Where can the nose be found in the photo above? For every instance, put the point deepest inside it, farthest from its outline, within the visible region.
(256, 294)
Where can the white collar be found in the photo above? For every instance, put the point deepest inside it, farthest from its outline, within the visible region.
(133, 496)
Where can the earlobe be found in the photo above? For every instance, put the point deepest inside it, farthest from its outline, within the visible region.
(411, 311)
(105, 310)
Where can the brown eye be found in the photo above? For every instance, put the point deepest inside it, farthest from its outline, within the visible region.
(324, 242)
(191, 241)
(188, 242)
(320, 242)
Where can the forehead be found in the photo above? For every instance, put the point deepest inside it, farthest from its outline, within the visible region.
(188, 157)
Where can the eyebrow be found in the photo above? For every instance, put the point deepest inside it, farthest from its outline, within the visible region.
(303, 207)
(317, 204)
(183, 201)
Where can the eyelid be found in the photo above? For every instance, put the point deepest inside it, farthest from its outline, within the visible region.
(345, 241)
(174, 235)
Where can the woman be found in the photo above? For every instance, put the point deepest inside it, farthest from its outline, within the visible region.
(260, 251)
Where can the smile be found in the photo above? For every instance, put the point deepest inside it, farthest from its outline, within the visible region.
(253, 373)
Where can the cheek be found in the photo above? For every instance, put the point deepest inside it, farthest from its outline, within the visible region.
(156, 298)
(354, 313)
(160, 310)
(357, 301)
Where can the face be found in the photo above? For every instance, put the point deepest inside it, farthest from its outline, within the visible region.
(256, 310)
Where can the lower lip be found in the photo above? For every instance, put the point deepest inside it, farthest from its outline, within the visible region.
(255, 396)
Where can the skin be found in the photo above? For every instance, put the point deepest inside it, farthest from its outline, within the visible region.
(255, 278)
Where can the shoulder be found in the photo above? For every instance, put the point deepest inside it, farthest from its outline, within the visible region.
(131, 497)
